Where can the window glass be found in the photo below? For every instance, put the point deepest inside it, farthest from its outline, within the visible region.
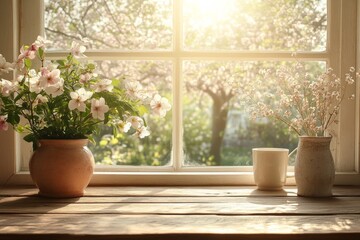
(218, 129)
(255, 25)
(124, 149)
(115, 24)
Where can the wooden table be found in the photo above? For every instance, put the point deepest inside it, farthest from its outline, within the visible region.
(180, 213)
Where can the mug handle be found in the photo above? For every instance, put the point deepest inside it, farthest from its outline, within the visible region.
(290, 154)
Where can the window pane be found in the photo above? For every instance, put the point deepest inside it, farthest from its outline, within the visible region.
(255, 25)
(154, 150)
(110, 24)
(218, 130)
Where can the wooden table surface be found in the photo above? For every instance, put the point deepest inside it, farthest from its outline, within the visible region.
(180, 213)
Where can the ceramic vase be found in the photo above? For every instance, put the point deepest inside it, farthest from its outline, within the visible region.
(62, 168)
(314, 167)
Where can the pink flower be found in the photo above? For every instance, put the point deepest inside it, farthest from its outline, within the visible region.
(29, 53)
(84, 78)
(56, 89)
(160, 105)
(103, 85)
(77, 50)
(3, 124)
(136, 122)
(40, 99)
(133, 89)
(78, 99)
(41, 42)
(99, 108)
(7, 87)
(49, 77)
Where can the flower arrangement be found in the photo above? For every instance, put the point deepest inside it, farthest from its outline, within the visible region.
(65, 99)
(308, 106)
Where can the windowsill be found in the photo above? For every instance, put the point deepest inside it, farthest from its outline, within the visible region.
(177, 179)
(170, 212)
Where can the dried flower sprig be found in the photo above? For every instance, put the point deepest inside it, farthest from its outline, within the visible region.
(308, 106)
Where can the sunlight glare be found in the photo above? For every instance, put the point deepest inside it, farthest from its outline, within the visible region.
(210, 12)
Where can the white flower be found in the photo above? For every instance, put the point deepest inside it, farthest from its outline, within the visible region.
(39, 100)
(5, 67)
(41, 42)
(3, 124)
(136, 122)
(99, 108)
(123, 126)
(77, 50)
(103, 85)
(35, 84)
(29, 53)
(7, 87)
(56, 89)
(160, 105)
(84, 78)
(78, 99)
(133, 89)
(49, 77)
(142, 132)
(52, 66)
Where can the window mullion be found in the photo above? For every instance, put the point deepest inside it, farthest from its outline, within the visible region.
(177, 86)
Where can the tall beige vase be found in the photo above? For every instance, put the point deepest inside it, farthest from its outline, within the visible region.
(62, 168)
(314, 167)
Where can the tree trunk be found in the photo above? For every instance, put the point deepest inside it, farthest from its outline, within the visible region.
(219, 119)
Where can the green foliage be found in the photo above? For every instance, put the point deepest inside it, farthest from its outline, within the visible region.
(57, 103)
(114, 148)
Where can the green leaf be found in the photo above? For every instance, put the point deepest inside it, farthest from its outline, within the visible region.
(27, 63)
(91, 66)
(19, 96)
(20, 129)
(41, 53)
(61, 62)
(13, 118)
(30, 138)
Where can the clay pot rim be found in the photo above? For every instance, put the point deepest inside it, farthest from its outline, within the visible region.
(315, 138)
(70, 141)
(270, 149)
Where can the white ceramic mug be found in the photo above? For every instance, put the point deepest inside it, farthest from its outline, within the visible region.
(270, 166)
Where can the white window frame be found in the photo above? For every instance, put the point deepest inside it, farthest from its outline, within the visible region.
(342, 52)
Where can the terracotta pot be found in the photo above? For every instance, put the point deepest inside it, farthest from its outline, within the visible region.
(314, 167)
(62, 168)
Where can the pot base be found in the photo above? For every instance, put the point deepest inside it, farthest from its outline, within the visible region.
(61, 195)
(315, 195)
(269, 189)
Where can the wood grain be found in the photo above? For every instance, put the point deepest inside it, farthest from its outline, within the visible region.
(182, 191)
(169, 224)
(159, 205)
(180, 213)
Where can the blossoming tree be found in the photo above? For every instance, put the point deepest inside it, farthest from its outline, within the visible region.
(147, 24)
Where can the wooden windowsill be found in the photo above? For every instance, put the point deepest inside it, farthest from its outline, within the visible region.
(180, 213)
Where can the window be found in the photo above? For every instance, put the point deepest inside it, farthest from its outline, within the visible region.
(200, 55)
